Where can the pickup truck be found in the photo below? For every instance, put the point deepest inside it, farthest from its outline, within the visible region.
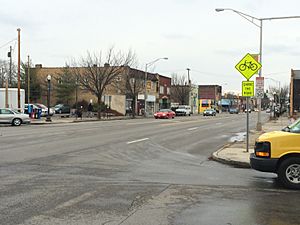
(279, 152)
(183, 110)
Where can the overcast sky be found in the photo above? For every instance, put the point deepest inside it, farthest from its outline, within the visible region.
(189, 32)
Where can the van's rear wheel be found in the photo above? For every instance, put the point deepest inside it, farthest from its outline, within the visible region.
(289, 173)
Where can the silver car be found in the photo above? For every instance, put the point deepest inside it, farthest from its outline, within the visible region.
(13, 117)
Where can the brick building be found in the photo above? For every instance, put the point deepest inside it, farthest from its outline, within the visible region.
(116, 95)
(209, 97)
(295, 92)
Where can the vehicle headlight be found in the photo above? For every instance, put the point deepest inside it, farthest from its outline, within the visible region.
(263, 149)
(163, 114)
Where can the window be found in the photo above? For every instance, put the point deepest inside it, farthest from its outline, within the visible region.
(161, 89)
(168, 91)
(5, 111)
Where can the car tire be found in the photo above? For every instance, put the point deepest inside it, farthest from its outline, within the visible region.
(289, 173)
(16, 122)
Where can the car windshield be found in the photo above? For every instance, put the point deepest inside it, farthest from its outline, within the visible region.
(294, 127)
(181, 107)
(164, 110)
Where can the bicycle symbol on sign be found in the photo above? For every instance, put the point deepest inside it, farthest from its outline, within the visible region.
(250, 65)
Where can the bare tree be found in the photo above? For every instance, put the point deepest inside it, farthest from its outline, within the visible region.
(180, 89)
(5, 72)
(96, 72)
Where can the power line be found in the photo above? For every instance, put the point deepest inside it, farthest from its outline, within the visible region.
(8, 42)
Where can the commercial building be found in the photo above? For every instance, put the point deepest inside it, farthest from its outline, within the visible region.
(209, 96)
(164, 97)
(123, 94)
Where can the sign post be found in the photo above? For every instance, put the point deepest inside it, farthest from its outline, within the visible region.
(248, 66)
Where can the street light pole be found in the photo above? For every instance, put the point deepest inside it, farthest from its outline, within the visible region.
(190, 88)
(48, 118)
(19, 71)
(28, 81)
(251, 19)
(279, 91)
(145, 82)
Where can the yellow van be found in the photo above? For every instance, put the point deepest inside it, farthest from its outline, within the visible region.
(279, 152)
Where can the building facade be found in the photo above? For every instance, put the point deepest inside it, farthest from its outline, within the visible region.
(209, 96)
(164, 96)
(125, 93)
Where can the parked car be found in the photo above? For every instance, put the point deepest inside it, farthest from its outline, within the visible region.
(61, 108)
(209, 112)
(268, 110)
(45, 109)
(13, 117)
(234, 111)
(279, 152)
(164, 113)
(183, 110)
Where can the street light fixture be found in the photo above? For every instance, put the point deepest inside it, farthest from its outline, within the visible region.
(48, 118)
(251, 19)
(145, 81)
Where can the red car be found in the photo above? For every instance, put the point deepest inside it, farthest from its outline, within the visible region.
(164, 113)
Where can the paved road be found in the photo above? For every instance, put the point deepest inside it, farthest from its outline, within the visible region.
(135, 172)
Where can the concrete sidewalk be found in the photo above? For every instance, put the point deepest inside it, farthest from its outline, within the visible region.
(235, 153)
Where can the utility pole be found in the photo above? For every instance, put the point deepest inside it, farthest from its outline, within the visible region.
(19, 71)
(28, 82)
(189, 86)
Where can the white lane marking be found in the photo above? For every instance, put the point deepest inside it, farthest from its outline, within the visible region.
(139, 140)
(76, 200)
(193, 128)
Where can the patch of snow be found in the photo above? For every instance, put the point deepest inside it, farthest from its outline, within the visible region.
(238, 137)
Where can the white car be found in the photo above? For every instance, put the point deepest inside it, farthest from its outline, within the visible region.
(13, 117)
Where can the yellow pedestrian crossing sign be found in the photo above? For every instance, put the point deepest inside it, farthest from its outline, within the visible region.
(248, 88)
(248, 66)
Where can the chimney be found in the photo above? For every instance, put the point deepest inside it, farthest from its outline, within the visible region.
(38, 66)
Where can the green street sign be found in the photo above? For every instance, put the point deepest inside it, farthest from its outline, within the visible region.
(248, 66)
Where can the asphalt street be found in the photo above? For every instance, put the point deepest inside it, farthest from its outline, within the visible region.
(135, 172)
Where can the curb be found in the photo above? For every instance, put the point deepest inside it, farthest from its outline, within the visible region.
(228, 161)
